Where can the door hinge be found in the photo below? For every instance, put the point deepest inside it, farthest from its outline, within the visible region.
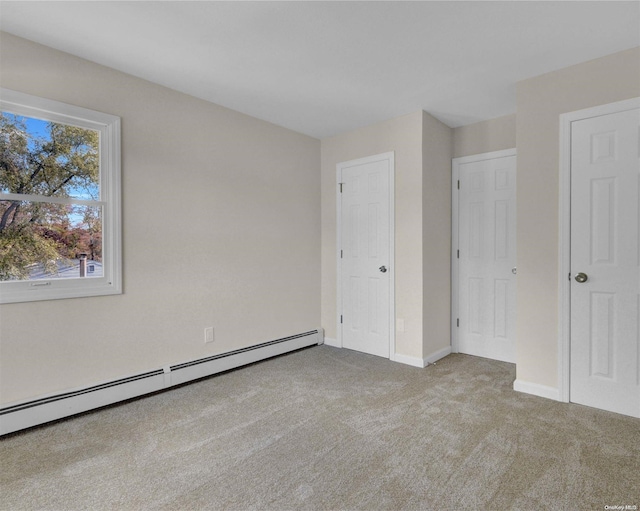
(340, 187)
(341, 254)
(340, 318)
(458, 254)
(458, 322)
(458, 184)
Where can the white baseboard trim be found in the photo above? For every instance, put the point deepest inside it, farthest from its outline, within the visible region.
(422, 362)
(25, 414)
(408, 360)
(536, 389)
(332, 342)
(437, 355)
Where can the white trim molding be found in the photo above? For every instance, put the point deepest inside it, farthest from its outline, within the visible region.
(564, 239)
(404, 359)
(437, 355)
(422, 362)
(536, 389)
(408, 360)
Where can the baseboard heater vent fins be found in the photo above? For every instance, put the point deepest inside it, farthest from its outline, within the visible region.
(242, 350)
(76, 393)
(57, 406)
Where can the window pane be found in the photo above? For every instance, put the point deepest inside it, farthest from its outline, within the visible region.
(48, 158)
(41, 240)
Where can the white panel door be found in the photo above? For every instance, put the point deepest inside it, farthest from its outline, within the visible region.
(365, 250)
(605, 233)
(487, 258)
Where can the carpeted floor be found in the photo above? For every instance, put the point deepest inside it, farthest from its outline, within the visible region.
(331, 429)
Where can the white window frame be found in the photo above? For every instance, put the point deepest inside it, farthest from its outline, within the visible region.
(110, 200)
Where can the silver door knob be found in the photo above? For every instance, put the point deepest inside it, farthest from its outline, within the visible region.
(383, 269)
(514, 270)
(581, 277)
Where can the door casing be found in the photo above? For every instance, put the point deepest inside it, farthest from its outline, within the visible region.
(564, 282)
(390, 157)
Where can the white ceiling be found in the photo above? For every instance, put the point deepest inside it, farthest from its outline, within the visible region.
(322, 68)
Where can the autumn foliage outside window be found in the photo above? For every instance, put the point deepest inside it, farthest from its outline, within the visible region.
(48, 160)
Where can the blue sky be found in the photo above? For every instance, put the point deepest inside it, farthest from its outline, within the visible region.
(35, 127)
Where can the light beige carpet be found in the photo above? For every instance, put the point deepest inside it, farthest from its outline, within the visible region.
(325, 428)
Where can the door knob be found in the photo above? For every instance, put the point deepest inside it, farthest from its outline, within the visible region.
(581, 277)
(514, 270)
(383, 269)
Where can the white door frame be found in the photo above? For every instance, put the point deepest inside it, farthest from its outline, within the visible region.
(564, 241)
(390, 157)
(456, 163)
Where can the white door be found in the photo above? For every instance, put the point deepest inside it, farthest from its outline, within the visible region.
(605, 256)
(487, 256)
(365, 249)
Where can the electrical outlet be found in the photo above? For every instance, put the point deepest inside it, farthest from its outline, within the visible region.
(208, 335)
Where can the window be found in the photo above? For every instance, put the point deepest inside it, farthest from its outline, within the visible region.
(59, 200)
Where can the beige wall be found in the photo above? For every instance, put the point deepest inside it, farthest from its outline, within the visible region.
(437, 144)
(221, 228)
(484, 137)
(540, 102)
(422, 224)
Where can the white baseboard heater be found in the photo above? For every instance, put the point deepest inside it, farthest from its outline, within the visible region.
(26, 414)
